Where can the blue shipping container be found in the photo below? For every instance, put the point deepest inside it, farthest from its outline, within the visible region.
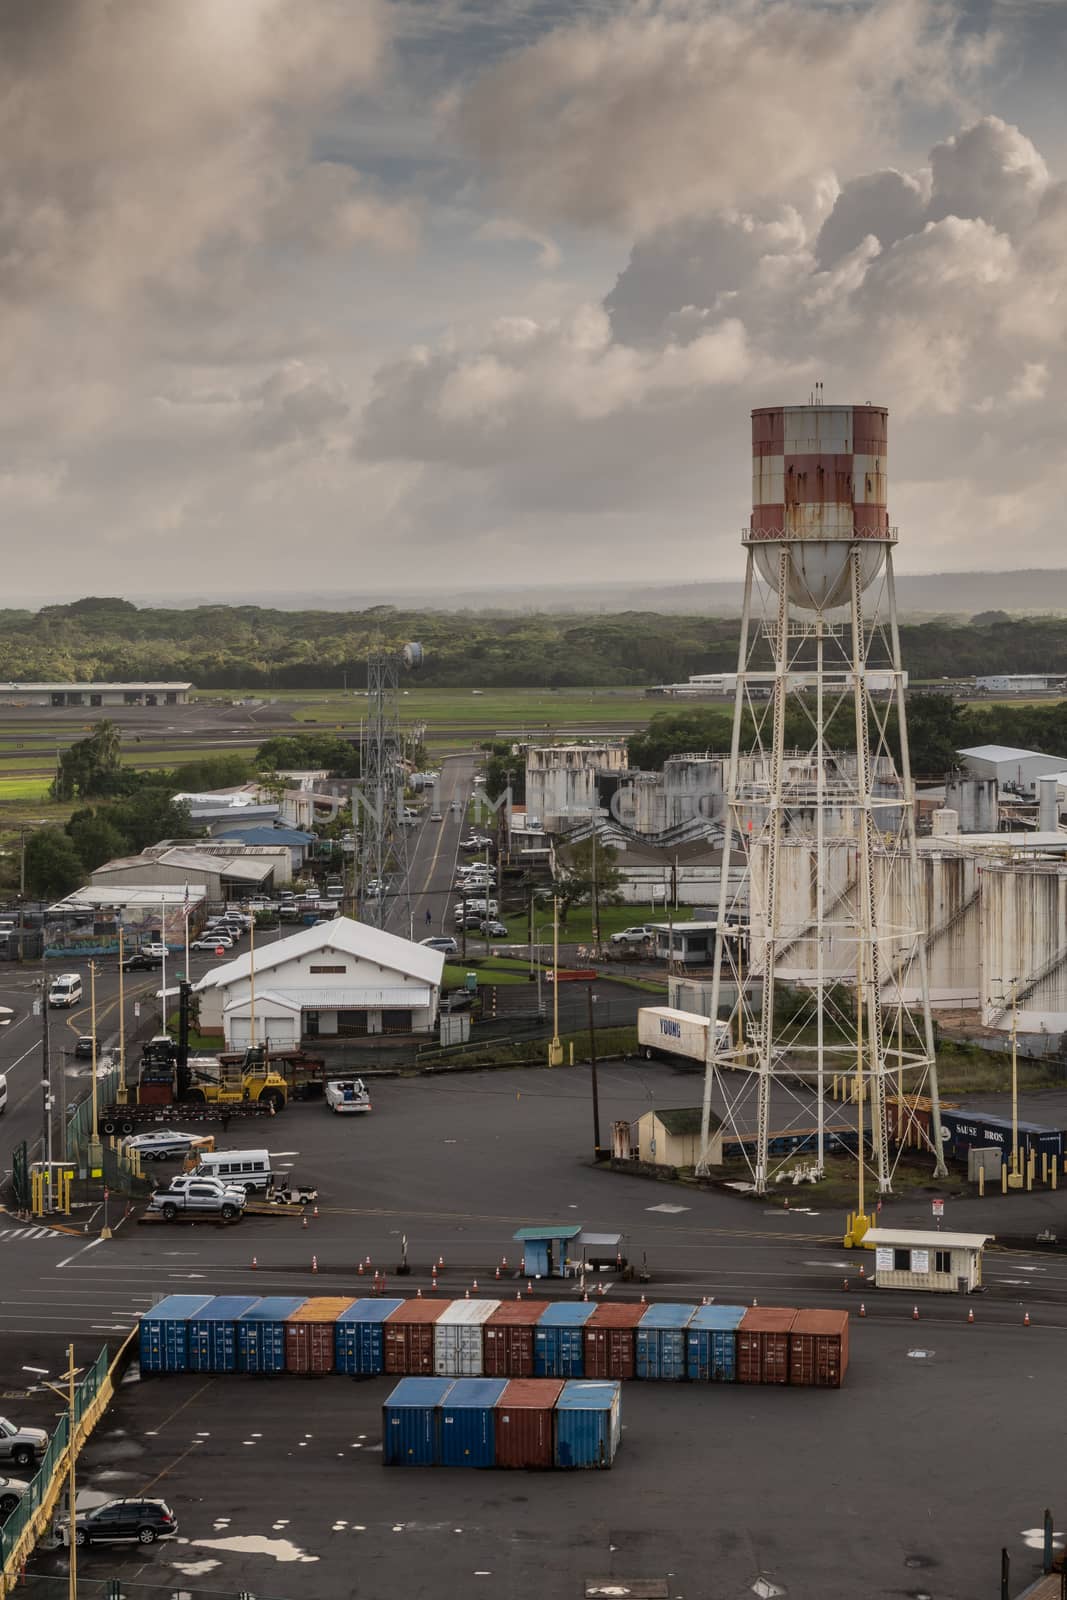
(261, 1333)
(660, 1345)
(588, 1424)
(965, 1130)
(711, 1341)
(359, 1343)
(468, 1426)
(411, 1422)
(164, 1333)
(213, 1333)
(559, 1345)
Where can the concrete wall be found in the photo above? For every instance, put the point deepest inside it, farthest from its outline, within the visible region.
(1024, 936)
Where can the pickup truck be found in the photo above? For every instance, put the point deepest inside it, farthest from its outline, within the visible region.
(192, 1196)
(21, 1445)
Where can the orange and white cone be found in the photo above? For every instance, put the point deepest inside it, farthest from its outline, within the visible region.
(305, 1220)
(255, 1263)
(314, 1263)
(474, 1285)
(433, 1281)
(418, 1294)
(863, 1309)
(359, 1269)
(914, 1313)
(498, 1272)
(315, 1211)
(1026, 1319)
(466, 1294)
(970, 1314)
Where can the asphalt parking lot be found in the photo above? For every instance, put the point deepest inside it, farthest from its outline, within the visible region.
(940, 1449)
(903, 1484)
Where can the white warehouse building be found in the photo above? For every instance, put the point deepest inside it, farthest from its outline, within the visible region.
(341, 979)
(1018, 770)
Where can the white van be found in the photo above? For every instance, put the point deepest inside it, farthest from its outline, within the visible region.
(65, 990)
(250, 1168)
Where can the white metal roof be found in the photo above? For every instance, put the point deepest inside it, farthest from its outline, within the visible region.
(1006, 752)
(100, 897)
(346, 936)
(923, 1240)
(468, 1312)
(84, 688)
(343, 998)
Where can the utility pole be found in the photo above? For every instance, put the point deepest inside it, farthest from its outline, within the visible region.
(555, 1049)
(591, 997)
(46, 1094)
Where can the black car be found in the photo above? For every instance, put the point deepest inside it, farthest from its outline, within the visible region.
(141, 962)
(83, 1050)
(142, 1520)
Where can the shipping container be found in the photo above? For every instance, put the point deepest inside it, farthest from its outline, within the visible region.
(457, 1338)
(525, 1422)
(508, 1338)
(818, 1349)
(409, 1336)
(213, 1333)
(711, 1344)
(965, 1130)
(468, 1436)
(309, 1334)
(261, 1333)
(359, 1338)
(660, 1342)
(588, 1424)
(411, 1422)
(609, 1339)
(558, 1340)
(665, 1031)
(164, 1333)
(763, 1345)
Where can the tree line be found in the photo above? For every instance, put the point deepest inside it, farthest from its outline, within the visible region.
(257, 648)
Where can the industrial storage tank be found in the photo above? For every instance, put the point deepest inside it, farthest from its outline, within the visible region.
(819, 485)
(1024, 937)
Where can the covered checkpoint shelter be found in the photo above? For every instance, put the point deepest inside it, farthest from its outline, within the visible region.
(544, 1247)
(907, 1258)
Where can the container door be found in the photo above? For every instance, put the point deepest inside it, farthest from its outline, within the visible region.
(423, 1349)
(596, 1353)
(775, 1365)
(544, 1351)
(396, 1349)
(647, 1345)
(620, 1362)
(495, 1353)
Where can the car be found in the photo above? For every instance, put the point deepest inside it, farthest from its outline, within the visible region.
(472, 921)
(189, 1195)
(139, 1521)
(11, 1492)
(213, 942)
(21, 1445)
(163, 1144)
(140, 961)
(83, 1050)
(443, 942)
(640, 934)
(65, 989)
(347, 1095)
(435, 815)
(494, 928)
(154, 949)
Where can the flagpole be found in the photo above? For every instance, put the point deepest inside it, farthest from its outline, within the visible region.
(163, 947)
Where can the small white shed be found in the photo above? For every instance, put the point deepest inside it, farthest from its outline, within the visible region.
(907, 1258)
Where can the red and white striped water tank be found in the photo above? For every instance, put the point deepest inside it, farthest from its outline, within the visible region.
(819, 487)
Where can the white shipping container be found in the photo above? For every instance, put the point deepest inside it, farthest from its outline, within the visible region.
(663, 1031)
(457, 1338)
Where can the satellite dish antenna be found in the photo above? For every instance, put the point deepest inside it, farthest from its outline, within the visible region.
(411, 656)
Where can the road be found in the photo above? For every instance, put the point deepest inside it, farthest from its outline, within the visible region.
(433, 850)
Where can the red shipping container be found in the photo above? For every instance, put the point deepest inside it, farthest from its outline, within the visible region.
(409, 1337)
(309, 1334)
(763, 1345)
(818, 1349)
(609, 1340)
(523, 1422)
(508, 1339)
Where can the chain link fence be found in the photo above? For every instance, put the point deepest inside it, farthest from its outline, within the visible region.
(56, 1588)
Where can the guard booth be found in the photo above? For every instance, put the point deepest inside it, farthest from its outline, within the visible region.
(546, 1248)
(599, 1252)
(907, 1258)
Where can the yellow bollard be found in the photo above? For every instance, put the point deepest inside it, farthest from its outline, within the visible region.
(981, 1182)
(1044, 1166)
(1054, 1169)
(1003, 1177)
(572, 1052)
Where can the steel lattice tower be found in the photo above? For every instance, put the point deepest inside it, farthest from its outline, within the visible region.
(820, 955)
(383, 838)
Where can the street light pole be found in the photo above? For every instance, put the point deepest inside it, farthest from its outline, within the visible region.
(46, 1098)
(555, 1049)
(592, 1071)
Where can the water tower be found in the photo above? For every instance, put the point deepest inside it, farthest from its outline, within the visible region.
(820, 959)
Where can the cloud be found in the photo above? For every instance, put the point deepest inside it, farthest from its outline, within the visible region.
(957, 321)
(674, 108)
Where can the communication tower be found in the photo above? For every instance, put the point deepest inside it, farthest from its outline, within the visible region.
(820, 960)
(383, 881)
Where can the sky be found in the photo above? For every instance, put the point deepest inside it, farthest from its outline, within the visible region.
(346, 295)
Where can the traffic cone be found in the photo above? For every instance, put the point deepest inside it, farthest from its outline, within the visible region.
(755, 1302)
(440, 1262)
(498, 1272)
(359, 1269)
(466, 1294)
(642, 1299)
(305, 1220)
(368, 1261)
(522, 1267)
(314, 1263)
(1026, 1319)
(914, 1313)
(255, 1263)
(970, 1314)
(418, 1294)
(529, 1287)
(846, 1285)
(862, 1272)
(433, 1281)
(603, 1290)
(787, 1202)
(315, 1211)
(518, 1294)
(863, 1309)
(474, 1285)
(504, 1263)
